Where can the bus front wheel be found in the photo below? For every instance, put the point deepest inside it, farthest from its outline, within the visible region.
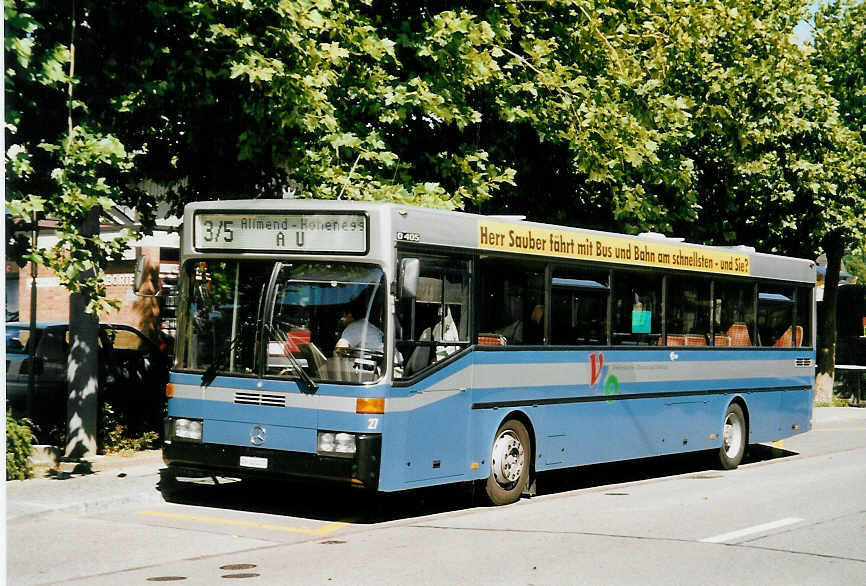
(733, 438)
(509, 463)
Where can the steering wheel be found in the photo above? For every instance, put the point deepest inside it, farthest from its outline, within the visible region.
(366, 353)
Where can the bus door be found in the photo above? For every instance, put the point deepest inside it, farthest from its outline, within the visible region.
(431, 328)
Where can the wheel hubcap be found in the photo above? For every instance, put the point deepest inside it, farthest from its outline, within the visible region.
(732, 435)
(508, 458)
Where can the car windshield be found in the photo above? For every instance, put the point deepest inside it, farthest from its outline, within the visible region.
(260, 317)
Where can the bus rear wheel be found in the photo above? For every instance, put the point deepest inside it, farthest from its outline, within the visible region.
(733, 438)
(509, 463)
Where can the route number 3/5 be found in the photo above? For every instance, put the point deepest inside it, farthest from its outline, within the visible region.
(373, 423)
(218, 231)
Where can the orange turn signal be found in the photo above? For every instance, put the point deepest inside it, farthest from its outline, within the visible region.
(370, 406)
(169, 390)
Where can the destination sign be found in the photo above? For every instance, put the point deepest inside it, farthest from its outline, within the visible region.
(276, 232)
(494, 235)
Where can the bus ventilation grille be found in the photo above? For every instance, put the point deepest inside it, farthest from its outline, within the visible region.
(260, 399)
(803, 362)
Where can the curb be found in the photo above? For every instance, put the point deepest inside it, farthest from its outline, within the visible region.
(86, 506)
(44, 455)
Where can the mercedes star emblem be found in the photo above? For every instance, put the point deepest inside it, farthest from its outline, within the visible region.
(257, 435)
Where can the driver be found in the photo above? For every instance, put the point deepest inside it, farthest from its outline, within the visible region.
(359, 333)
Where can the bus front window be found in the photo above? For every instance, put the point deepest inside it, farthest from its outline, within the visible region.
(217, 321)
(329, 317)
(254, 318)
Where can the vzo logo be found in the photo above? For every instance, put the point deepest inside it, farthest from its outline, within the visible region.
(598, 372)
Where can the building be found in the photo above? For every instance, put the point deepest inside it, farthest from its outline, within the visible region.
(147, 312)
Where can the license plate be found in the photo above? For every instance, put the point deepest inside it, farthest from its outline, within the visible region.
(253, 462)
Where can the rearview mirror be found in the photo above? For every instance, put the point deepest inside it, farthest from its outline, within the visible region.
(410, 268)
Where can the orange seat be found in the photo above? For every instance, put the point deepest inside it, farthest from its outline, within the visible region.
(784, 340)
(739, 334)
(722, 340)
(491, 340)
(694, 340)
(676, 340)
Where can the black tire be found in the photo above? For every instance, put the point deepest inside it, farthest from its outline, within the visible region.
(510, 455)
(734, 438)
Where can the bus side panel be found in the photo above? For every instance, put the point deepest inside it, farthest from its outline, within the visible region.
(788, 411)
(774, 416)
(796, 412)
(426, 442)
(763, 414)
(598, 432)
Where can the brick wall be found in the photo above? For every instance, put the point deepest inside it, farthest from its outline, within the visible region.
(52, 299)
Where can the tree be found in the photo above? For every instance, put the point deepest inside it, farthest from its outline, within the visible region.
(840, 55)
(703, 119)
(68, 172)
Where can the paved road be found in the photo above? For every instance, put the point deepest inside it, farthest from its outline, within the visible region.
(794, 514)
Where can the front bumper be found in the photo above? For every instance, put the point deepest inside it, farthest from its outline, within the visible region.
(197, 459)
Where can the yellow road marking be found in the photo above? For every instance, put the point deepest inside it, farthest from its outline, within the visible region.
(779, 444)
(324, 530)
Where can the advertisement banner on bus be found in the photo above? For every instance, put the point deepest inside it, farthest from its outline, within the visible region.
(494, 235)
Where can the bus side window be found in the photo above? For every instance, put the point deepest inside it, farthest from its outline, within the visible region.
(636, 308)
(733, 313)
(435, 323)
(579, 307)
(511, 304)
(687, 313)
(776, 316)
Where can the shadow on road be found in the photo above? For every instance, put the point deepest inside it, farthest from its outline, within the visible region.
(334, 503)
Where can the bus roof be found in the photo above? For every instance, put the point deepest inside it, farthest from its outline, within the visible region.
(513, 235)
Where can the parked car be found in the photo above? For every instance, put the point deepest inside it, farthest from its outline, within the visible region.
(132, 375)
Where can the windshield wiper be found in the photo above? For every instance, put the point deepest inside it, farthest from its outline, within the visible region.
(210, 372)
(305, 378)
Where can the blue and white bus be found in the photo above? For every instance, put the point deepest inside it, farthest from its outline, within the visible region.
(392, 347)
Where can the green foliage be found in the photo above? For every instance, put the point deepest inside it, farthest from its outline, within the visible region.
(855, 264)
(704, 119)
(55, 169)
(840, 55)
(338, 95)
(114, 436)
(19, 447)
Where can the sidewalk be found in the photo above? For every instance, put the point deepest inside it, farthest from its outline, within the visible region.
(101, 481)
(133, 478)
(828, 414)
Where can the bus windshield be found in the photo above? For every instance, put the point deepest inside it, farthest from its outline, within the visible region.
(268, 318)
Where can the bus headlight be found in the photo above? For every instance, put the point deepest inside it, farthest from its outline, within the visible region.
(326, 442)
(332, 443)
(187, 429)
(345, 443)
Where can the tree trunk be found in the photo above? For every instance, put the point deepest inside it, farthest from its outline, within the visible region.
(834, 248)
(83, 367)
